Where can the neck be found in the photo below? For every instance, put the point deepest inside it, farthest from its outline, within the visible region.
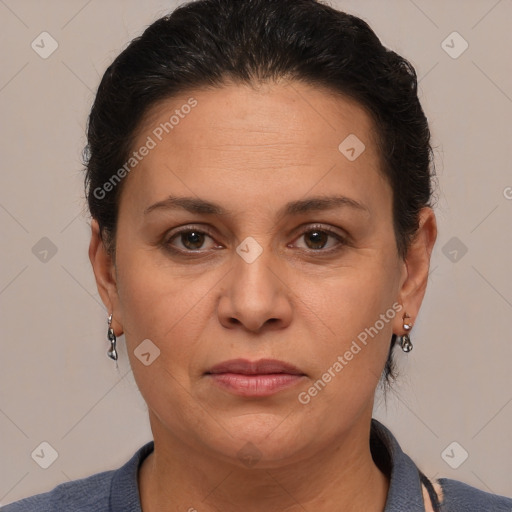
(176, 477)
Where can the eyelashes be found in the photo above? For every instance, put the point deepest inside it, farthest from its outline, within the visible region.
(199, 235)
(192, 240)
(326, 233)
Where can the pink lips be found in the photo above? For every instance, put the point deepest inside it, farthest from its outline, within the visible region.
(255, 378)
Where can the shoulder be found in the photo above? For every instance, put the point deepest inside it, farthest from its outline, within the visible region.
(406, 482)
(460, 497)
(115, 490)
(90, 493)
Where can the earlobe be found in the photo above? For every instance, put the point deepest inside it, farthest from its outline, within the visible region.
(104, 270)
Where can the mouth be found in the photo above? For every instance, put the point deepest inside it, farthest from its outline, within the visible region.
(260, 378)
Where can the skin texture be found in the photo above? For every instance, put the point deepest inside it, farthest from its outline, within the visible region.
(252, 150)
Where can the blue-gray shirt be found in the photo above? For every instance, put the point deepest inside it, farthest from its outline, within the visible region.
(117, 490)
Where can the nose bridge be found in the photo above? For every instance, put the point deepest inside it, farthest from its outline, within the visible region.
(255, 293)
(253, 272)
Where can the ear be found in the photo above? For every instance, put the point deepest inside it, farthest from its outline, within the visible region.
(416, 269)
(105, 274)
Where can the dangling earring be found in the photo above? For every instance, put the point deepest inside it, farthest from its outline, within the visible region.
(405, 340)
(112, 352)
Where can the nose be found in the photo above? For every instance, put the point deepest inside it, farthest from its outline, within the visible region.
(256, 296)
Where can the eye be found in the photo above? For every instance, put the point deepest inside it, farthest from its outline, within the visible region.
(191, 239)
(317, 237)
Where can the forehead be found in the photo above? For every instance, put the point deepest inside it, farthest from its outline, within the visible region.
(289, 110)
(256, 141)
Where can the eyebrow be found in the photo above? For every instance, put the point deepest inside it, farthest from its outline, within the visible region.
(200, 206)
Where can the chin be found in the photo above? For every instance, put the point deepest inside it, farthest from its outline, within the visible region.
(262, 440)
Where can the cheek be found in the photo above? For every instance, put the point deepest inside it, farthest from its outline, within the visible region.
(351, 299)
(158, 305)
(354, 314)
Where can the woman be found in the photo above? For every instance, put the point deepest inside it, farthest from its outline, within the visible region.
(260, 185)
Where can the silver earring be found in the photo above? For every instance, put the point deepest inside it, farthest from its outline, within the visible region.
(405, 340)
(112, 352)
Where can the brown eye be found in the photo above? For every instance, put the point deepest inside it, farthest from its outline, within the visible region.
(192, 240)
(316, 238)
(189, 240)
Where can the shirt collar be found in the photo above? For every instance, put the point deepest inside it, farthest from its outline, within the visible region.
(124, 490)
(404, 493)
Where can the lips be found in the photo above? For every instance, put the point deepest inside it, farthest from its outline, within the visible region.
(261, 367)
(254, 379)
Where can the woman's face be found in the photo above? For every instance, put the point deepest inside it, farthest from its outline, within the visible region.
(283, 249)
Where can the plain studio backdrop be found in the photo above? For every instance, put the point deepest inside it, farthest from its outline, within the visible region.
(451, 409)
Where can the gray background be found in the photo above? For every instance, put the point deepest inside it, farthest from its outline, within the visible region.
(58, 386)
